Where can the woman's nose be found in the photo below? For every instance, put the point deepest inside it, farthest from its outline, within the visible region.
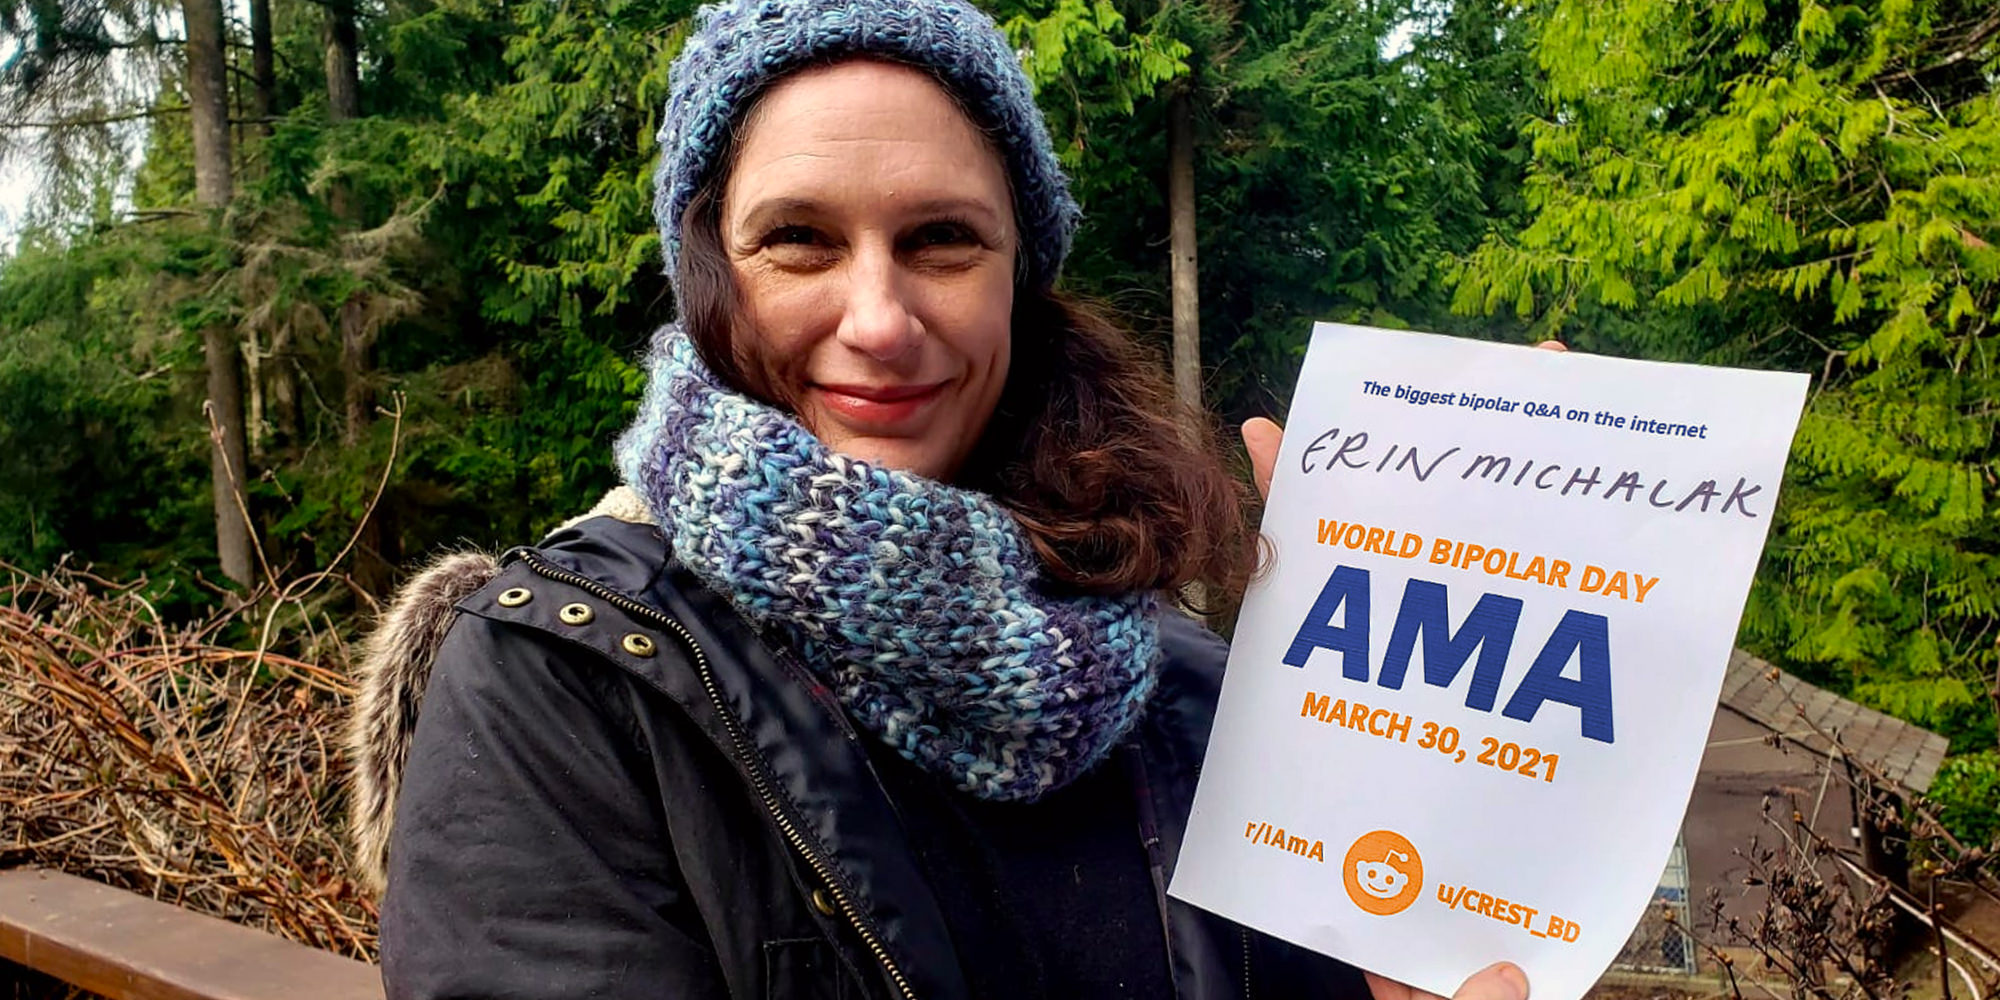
(878, 320)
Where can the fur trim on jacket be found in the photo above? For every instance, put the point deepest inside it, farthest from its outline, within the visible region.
(394, 669)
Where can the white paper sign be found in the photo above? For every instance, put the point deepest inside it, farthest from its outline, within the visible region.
(1465, 706)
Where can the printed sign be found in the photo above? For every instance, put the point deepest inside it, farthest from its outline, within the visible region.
(1466, 701)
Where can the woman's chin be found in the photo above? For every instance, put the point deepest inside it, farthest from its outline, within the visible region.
(912, 455)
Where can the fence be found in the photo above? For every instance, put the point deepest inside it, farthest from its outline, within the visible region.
(1660, 943)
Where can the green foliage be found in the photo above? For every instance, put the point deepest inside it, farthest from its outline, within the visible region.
(486, 226)
(1085, 61)
(1334, 177)
(1360, 147)
(1963, 795)
(90, 447)
(496, 249)
(1101, 75)
(556, 170)
(1806, 185)
(1809, 187)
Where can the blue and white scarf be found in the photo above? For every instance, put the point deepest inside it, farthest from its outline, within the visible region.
(918, 603)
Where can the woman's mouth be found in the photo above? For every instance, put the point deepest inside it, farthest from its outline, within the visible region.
(879, 408)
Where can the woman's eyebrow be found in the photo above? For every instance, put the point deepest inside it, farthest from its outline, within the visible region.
(978, 209)
(781, 207)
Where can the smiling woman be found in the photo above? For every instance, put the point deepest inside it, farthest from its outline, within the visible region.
(865, 686)
(870, 237)
(856, 255)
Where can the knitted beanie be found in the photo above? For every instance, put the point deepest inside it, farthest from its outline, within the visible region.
(740, 47)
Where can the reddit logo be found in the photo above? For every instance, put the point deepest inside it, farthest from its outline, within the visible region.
(1383, 873)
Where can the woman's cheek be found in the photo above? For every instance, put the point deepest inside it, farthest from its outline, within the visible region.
(784, 320)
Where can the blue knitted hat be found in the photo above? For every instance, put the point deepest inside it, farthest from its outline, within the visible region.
(739, 47)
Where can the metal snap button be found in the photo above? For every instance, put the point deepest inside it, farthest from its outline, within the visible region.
(576, 614)
(639, 645)
(823, 902)
(515, 597)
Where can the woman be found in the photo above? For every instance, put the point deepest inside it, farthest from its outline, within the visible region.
(864, 687)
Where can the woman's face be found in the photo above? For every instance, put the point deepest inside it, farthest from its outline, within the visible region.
(871, 233)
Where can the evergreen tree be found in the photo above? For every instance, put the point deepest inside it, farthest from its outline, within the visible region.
(466, 222)
(1813, 187)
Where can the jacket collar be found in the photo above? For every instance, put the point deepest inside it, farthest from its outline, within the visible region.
(779, 727)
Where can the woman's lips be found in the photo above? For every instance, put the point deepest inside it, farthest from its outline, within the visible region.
(879, 408)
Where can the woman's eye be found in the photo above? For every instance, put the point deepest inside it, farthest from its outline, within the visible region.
(792, 236)
(941, 234)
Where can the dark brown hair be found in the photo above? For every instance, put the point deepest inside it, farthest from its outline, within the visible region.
(1116, 487)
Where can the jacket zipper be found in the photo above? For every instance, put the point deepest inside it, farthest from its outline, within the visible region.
(753, 760)
(1248, 993)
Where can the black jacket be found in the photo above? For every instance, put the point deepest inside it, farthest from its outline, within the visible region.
(615, 789)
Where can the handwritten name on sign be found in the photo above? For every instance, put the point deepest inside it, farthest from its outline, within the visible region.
(1505, 586)
(1334, 451)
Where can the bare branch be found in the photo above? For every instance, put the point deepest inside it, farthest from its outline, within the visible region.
(1975, 37)
(94, 122)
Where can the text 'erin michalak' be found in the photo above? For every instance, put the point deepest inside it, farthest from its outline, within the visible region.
(1354, 452)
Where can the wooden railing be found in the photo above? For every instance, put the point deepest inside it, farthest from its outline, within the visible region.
(124, 946)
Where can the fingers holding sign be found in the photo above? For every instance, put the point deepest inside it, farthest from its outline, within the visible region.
(1261, 437)
(1500, 981)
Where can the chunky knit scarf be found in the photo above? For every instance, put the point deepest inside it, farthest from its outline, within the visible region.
(916, 602)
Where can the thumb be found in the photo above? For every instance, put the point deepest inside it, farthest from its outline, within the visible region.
(1261, 438)
(1500, 981)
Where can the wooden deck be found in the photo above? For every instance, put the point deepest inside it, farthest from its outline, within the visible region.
(124, 946)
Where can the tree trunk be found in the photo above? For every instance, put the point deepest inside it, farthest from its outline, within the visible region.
(354, 371)
(208, 103)
(1186, 294)
(226, 456)
(1180, 212)
(343, 99)
(282, 409)
(263, 71)
(253, 384)
(343, 62)
(374, 555)
(1994, 692)
(214, 183)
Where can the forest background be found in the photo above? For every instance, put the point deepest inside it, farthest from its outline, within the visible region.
(408, 244)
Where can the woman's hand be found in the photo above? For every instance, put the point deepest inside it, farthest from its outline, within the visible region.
(1261, 438)
(1500, 981)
